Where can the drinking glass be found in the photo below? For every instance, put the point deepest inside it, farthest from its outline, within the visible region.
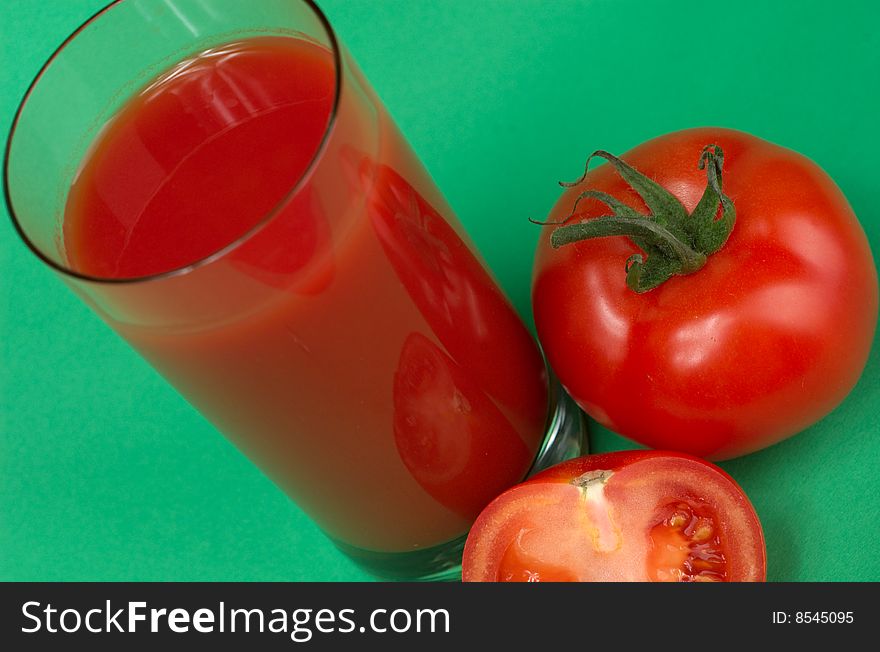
(351, 341)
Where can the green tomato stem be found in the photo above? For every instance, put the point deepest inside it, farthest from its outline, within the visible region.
(676, 243)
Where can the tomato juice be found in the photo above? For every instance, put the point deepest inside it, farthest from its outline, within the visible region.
(329, 316)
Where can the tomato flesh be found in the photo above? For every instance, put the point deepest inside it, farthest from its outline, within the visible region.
(685, 547)
(518, 566)
(633, 516)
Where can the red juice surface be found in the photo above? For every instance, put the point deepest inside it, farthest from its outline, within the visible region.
(367, 362)
(199, 157)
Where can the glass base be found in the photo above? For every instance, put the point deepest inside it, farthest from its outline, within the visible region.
(565, 439)
(566, 434)
(440, 563)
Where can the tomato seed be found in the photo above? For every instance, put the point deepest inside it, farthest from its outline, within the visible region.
(686, 546)
(678, 520)
(703, 530)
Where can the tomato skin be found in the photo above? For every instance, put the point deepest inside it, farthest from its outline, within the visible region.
(759, 344)
(551, 505)
(566, 471)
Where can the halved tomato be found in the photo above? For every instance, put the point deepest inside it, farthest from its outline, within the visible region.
(628, 516)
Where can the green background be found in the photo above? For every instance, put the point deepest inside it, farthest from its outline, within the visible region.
(107, 474)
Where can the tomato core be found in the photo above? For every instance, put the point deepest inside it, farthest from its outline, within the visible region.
(685, 546)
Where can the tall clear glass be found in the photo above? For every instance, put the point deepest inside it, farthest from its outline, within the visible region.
(347, 337)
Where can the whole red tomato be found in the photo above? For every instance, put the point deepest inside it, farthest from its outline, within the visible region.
(730, 343)
(628, 516)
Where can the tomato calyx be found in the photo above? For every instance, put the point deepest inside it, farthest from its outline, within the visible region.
(676, 243)
(590, 478)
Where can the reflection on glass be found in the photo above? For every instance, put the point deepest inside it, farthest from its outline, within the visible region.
(252, 222)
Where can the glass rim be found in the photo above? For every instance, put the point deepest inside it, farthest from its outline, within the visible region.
(269, 215)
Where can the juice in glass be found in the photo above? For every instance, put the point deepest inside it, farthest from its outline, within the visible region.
(358, 351)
